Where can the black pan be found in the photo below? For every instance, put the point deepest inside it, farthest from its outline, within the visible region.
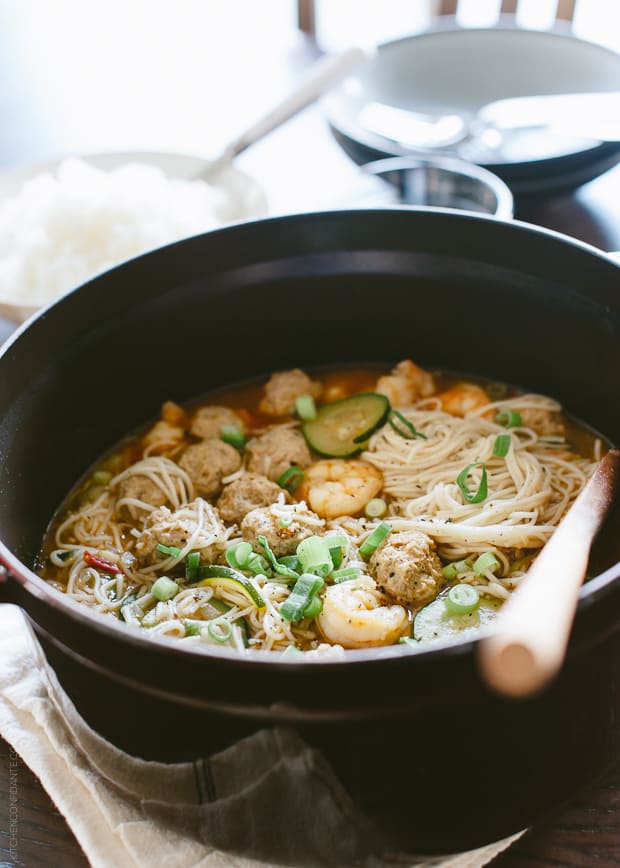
(414, 738)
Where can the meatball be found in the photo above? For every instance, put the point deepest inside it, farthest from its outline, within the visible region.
(175, 528)
(275, 451)
(406, 567)
(284, 388)
(138, 487)
(265, 521)
(406, 384)
(207, 422)
(544, 422)
(245, 494)
(207, 463)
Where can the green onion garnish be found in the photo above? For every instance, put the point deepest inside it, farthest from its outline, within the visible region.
(292, 562)
(277, 567)
(164, 589)
(407, 640)
(346, 574)
(172, 551)
(314, 556)
(257, 565)
(375, 508)
(496, 391)
(238, 555)
(102, 477)
(455, 569)
(409, 429)
(129, 599)
(286, 521)
(193, 628)
(501, 447)
(509, 418)
(192, 563)
(64, 556)
(462, 599)
(306, 408)
(314, 608)
(305, 588)
(233, 435)
(484, 563)
(219, 630)
(482, 491)
(292, 478)
(375, 539)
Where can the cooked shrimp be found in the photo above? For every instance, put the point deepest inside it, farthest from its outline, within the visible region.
(355, 616)
(340, 487)
(406, 384)
(163, 437)
(463, 399)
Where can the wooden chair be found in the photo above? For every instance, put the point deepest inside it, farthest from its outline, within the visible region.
(306, 11)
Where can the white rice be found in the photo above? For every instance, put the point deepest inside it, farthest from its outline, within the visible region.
(62, 228)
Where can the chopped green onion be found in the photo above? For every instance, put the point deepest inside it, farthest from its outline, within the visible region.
(164, 589)
(220, 629)
(501, 447)
(64, 556)
(286, 521)
(305, 588)
(407, 640)
(129, 599)
(375, 508)
(193, 628)
(509, 418)
(192, 563)
(306, 408)
(336, 553)
(172, 551)
(292, 562)
(521, 564)
(461, 480)
(314, 556)
(292, 478)
(409, 429)
(277, 567)
(462, 599)
(292, 651)
(102, 477)
(314, 608)
(346, 574)
(485, 562)
(233, 435)
(238, 555)
(257, 565)
(455, 569)
(375, 539)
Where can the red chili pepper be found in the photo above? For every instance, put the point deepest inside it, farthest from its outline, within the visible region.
(100, 563)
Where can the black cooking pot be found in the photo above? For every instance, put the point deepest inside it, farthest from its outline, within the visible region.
(434, 760)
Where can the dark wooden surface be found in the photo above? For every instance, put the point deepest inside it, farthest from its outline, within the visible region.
(120, 76)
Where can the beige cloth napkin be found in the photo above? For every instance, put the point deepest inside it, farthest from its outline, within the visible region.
(129, 813)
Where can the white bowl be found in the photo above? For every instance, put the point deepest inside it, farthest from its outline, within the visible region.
(245, 198)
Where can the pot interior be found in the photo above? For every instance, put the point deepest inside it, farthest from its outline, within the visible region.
(499, 300)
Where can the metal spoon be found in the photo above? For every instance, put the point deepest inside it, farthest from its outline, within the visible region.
(323, 75)
(529, 645)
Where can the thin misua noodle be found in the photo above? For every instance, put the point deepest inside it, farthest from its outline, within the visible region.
(311, 515)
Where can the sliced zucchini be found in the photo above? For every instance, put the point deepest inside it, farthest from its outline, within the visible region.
(435, 621)
(225, 578)
(342, 428)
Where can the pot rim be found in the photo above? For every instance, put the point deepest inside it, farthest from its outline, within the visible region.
(593, 592)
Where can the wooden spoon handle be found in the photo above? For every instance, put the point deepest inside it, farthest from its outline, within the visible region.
(533, 629)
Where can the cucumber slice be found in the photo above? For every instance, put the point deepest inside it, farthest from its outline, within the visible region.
(436, 622)
(225, 578)
(342, 428)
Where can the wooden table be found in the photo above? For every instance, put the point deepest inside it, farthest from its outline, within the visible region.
(78, 78)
